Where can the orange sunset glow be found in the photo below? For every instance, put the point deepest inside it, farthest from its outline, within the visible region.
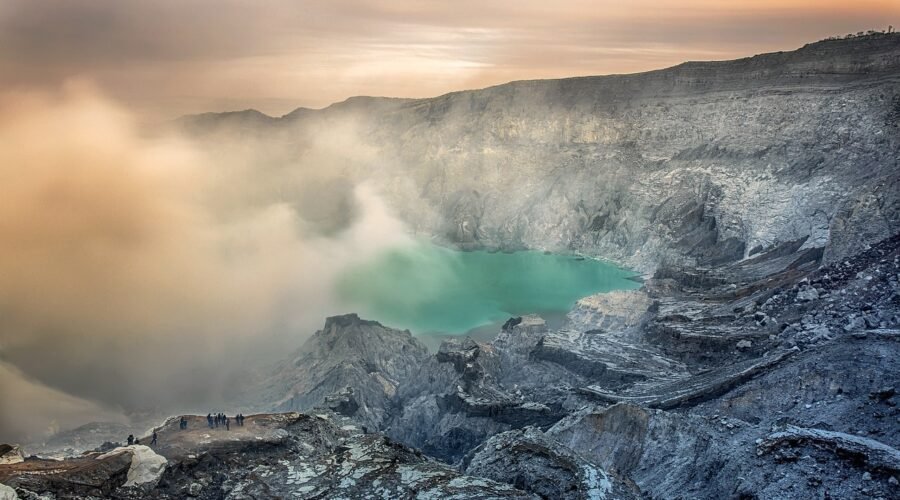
(169, 57)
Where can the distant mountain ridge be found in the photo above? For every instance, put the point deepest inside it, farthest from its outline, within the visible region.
(876, 49)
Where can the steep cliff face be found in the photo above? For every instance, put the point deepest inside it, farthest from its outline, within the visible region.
(364, 356)
(698, 164)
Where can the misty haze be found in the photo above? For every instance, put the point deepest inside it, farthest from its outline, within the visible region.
(500, 249)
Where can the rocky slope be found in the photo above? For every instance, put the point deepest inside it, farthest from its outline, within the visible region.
(774, 377)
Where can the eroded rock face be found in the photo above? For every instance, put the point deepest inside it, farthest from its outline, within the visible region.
(351, 352)
(534, 462)
(811, 424)
(458, 400)
(612, 437)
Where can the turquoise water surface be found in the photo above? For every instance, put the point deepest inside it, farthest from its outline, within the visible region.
(430, 289)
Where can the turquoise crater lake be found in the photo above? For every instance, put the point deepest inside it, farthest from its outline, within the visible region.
(430, 289)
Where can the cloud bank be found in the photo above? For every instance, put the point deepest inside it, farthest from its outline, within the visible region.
(136, 270)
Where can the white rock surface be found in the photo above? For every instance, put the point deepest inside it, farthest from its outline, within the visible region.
(12, 456)
(610, 310)
(146, 465)
(7, 493)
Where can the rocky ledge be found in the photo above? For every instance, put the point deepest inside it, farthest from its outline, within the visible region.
(287, 455)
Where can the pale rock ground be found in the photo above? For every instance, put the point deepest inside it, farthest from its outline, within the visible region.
(7, 493)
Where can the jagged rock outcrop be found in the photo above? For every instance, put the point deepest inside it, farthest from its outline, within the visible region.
(458, 399)
(351, 352)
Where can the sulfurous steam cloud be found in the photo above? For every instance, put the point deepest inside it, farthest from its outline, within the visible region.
(136, 269)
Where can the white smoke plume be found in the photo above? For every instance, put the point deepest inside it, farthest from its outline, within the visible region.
(135, 270)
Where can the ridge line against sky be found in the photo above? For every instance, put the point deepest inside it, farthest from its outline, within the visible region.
(501, 84)
(168, 57)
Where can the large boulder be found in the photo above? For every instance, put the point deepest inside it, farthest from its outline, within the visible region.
(10, 454)
(146, 466)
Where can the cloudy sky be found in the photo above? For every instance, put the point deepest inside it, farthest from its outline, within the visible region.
(167, 57)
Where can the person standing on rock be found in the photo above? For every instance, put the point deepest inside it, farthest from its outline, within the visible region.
(130, 439)
(153, 441)
(209, 420)
(183, 423)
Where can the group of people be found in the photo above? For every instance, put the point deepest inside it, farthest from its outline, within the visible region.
(133, 440)
(219, 419)
(224, 420)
